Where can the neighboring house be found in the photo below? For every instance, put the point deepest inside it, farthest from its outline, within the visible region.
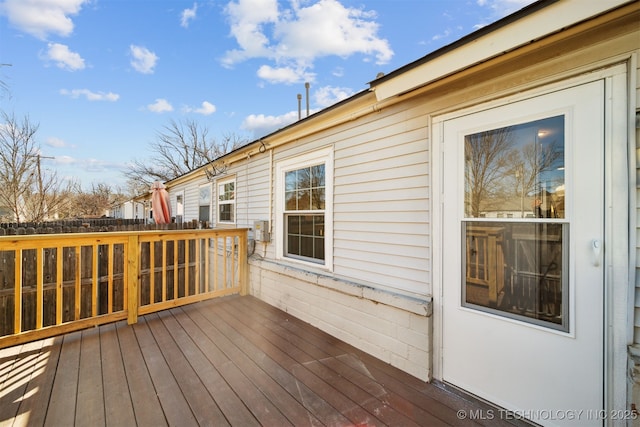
(130, 209)
(368, 217)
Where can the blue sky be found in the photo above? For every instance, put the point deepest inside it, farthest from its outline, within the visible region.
(103, 77)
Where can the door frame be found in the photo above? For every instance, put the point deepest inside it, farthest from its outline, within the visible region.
(619, 140)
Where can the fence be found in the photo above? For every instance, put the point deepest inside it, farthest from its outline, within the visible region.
(55, 283)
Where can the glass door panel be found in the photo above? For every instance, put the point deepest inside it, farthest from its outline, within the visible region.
(515, 237)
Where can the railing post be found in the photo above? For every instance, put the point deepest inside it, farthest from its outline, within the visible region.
(17, 299)
(244, 265)
(133, 273)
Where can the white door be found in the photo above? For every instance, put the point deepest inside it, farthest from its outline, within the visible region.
(522, 292)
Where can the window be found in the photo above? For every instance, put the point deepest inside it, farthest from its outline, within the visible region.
(515, 264)
(179, 207)
(304, 208)
(204, 202)
(227, 201)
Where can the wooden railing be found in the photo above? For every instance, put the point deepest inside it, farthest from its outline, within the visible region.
(54, 284)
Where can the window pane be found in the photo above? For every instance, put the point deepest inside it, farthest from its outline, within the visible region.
(318, 225)
(305, 236)
(306, 247)
(204, 195)
(517, 270)
(226, 191)
(318, 248)
(291, 201)
(226, 212)
(305, 189)
(203, 214)
(306, 225)
(304, 200)
(290, 181)
(293, 242)
(317, 199)
(293, 224)
(317, 176)
(516, 171)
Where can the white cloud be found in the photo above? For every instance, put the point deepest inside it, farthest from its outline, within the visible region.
(56, 142)
(65, 160)
(88, 164)
(286, 75)
(294, 38)
(445, 34)
(262, 125)
(248, 19)
(160, 106)
(143, 59)
(338, 72)
(89, 95)
(206, 108)
(329, 28)
(188, 15)
(64, 58)
(42, 17)
(329, 95)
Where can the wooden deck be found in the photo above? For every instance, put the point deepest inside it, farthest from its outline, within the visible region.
(230, 361)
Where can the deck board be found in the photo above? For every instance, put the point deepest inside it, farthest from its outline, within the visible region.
(62, 403)
(146, 406)
(390, 408)
(90, 403)
(232, 361)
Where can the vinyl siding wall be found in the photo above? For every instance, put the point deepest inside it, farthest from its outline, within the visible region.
(378, 296)
(381, 199)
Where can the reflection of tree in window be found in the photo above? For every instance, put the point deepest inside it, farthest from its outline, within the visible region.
(516, 169)
(305, 188)
(487, 159)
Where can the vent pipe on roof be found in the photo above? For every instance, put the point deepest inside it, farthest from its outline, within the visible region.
(306, 85)
(299, 106)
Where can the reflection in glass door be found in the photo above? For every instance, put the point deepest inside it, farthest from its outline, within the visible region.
(514, 231)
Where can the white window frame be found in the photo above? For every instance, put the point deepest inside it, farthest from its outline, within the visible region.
(204, 201)
(324, 156)
(222, 183)
(179, 212)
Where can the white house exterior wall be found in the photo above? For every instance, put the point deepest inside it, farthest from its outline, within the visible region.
(189, 191)
(378, 294)
(389, 149)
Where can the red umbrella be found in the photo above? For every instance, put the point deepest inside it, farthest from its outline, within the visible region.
(160, 203)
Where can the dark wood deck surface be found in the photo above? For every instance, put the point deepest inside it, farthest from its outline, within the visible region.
(230, 361)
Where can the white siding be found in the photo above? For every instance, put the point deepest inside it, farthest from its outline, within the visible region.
(381, 198)
(190, 191)
(382, 201)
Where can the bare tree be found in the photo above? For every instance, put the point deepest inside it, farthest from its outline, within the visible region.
(94, 202)
(17, 162)
(488, 157)
(28, 192)
(179, 148)
(529, 165)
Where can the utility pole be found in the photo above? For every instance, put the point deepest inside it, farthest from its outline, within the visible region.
(41, 196)
(39, 173)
